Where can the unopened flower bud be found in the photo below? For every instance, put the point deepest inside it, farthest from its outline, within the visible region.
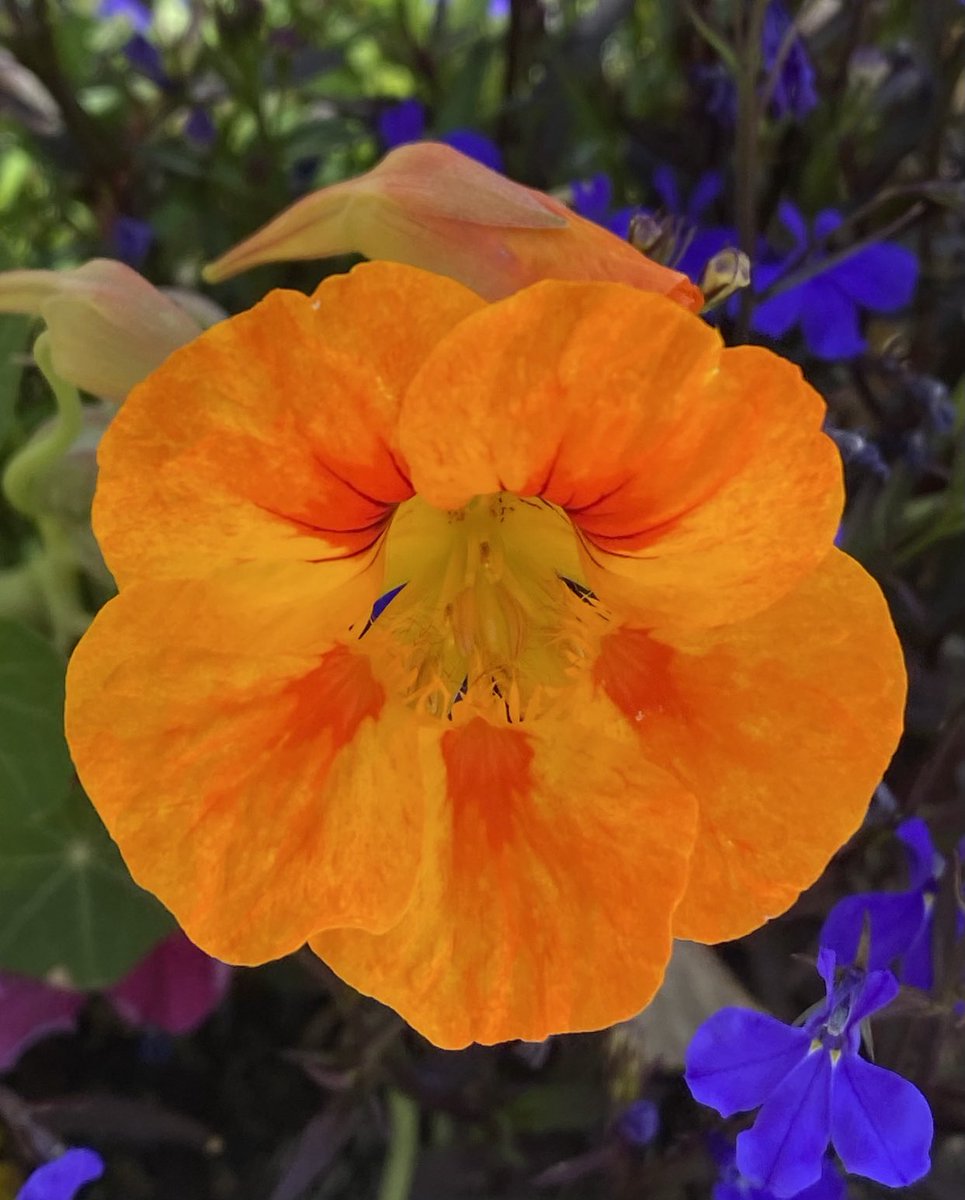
(108, 327)
(429, 206)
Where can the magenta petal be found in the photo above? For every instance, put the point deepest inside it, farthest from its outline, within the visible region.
(175, 988)
(31, 1010)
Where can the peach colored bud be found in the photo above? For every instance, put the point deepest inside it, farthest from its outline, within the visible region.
(429, 206)
(108, 327)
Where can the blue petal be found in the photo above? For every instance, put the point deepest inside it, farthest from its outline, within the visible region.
(402, 123)
(877, 989)
(706, 190)
(825, 223)
(917, 965)
(829, 1187)
(882, 277)
(475, 145)
(738, 1057)
(827, 965)
(924, 862)
(664, 183)
(618, 222)
(881, 1125)
(63, 1178)
(778, 314)
(793, 221)
(895, 921)
(830, 321)
(591, 198)
(784, 1150)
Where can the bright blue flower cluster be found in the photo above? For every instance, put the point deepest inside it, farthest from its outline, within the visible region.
(813, 1089)
(63, 1178)
(405, 122)
(880, 277)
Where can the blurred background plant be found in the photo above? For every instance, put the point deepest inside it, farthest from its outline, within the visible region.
(826, 139)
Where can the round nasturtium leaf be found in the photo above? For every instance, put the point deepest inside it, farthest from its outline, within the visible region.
(70, 910)
(35, 767)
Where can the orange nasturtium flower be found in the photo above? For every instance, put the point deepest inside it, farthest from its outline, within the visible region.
(625, 689)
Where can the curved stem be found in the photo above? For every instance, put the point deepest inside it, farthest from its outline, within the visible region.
(44, 449)
(399, 1168)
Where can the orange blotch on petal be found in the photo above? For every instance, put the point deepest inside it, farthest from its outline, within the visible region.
(251, 769)
(781, 725)
(549, 878)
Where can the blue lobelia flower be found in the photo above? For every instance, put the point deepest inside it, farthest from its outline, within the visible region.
(813, 1088)
(63, 1178)
(794, 93)
(700, 241)
(593, 198)
(639, 1123)
(144, 57)
(405, 122)
(900, 924)
(880, 277)
(131, 239)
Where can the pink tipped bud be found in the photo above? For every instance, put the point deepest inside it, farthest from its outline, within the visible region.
(430, 206)
(108, 327)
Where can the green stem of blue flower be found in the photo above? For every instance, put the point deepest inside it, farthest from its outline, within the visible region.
(399, 1168)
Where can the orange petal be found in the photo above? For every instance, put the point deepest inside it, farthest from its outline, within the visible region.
(550, 875)
(272, 435)
(698, 476)
(432, 207)
(109, 328)
(250, 768)
(781, 726)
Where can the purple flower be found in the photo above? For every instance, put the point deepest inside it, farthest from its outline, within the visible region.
(199, 126)
(405, 122)
(63, 1178)
(131, 239)
(899, 923)
(136, 13)
(593, 199)
(700, 242)
(880, 277)
(813, 1088)
(794, 93)
(143, 56)
(639, 1123)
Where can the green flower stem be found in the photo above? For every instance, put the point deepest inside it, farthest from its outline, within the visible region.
(20, 595)
(50, 574)
(399, 1168)
(30, 463)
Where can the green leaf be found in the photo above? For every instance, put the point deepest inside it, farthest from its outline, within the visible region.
(14, 330)
(68, 905)
(35, 766)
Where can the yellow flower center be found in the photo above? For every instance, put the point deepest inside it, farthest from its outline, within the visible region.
(494, 614)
